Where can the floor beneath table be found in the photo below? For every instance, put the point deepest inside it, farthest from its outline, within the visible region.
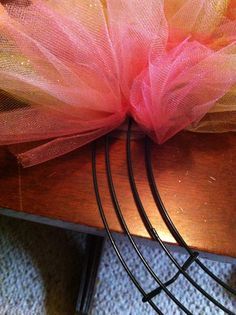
(41, 266)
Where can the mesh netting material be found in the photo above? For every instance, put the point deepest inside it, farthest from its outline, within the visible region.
(221, 118)
(71, 71)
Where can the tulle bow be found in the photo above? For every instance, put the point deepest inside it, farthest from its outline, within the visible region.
(78, 68)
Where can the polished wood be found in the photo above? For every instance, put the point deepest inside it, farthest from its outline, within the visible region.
(195, 174)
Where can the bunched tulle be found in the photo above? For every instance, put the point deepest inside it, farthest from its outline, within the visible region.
(72, 70)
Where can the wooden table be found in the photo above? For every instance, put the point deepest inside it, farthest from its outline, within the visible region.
(195, 174)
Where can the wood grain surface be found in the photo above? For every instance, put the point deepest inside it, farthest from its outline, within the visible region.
(195, 175)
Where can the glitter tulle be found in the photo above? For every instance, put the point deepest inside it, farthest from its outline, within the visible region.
(72, 70)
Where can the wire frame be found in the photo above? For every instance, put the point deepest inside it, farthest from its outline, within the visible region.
(193, 256)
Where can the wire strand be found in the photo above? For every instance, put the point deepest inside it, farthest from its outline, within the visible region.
(164, 213)
(104, 220)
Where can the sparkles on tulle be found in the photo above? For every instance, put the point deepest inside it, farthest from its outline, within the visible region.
(77, 68)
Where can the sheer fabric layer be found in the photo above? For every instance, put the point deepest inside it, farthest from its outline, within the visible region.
(71, 71)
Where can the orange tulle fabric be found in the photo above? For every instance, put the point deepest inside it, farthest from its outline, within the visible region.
(73, 70)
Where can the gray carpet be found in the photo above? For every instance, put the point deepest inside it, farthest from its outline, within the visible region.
(40, 269)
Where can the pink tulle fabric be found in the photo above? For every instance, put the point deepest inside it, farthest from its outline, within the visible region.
(77, 68)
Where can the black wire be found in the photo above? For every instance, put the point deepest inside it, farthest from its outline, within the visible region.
(169, 222)
(126, 229)
(117, 251)
(153, 232)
